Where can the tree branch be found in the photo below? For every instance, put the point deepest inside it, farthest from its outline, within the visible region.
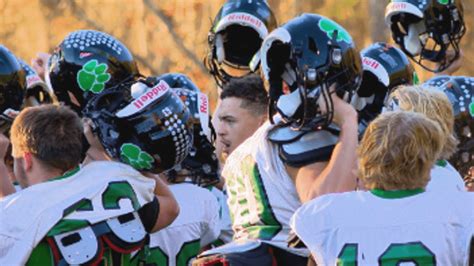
(81, 15)
(176, 38)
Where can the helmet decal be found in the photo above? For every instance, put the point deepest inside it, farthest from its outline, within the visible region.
(93, 76)
(243, 19)
(145, 99)
(330, 26)
(444, 2)
(375, 67)
(134, 156)
(85, 38)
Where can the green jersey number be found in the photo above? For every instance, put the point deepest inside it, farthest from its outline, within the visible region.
(395, 254)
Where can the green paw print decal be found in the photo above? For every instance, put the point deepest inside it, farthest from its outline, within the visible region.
(330, 26)
(134, 156)
(471, 109)
(443, 2)
(93, 76)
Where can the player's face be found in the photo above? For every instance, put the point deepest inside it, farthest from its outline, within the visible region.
(235, 125)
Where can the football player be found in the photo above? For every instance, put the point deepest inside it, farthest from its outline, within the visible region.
(428, 31)
(312, 68)
(20, 87)
(436, 106)
(103, 211)
(397, 221)
(460, 92)
(198, 223)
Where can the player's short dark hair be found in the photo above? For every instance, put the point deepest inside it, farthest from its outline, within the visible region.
(51, 133)
(250, 90)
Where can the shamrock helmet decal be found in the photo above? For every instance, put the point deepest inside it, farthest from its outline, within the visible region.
(134, 156)
(86, 63)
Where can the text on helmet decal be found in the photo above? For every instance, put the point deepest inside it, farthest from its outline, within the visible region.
(330, 26)
(93, 76)
(369, 64)
(32, 80)
(245, 19)
(203, 103)
(145, 99)
(398, 7)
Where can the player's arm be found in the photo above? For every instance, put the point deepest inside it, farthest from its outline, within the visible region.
(169, 208)
(337, 175)
(6, 186)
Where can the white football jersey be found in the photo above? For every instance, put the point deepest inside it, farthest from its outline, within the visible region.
(262, 196)
(196, 226)
(361, 228)
(227, 233)
(445, 177)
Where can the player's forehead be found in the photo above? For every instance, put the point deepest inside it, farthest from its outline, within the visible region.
(233, 106)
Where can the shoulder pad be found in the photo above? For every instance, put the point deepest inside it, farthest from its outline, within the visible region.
(283, 134)
(311, 147)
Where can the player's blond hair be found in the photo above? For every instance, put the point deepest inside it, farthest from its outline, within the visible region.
(436, 106)
(398, 150)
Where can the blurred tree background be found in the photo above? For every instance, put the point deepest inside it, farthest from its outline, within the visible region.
(171, 35)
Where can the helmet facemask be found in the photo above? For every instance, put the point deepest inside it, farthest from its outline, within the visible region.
(235, 38)
(299, 66)
(431, 34)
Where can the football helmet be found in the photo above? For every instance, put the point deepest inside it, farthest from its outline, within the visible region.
(85, 63)
(385, 67)
(235, 38)
(426, 30)
(143, 124)
(460, 92)
(309, 54)
(201, 165)
(37, 92)
(178, 80)
(12, 88)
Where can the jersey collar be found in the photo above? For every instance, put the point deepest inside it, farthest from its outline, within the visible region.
(442, 163)
(66, 174)
(396, 194)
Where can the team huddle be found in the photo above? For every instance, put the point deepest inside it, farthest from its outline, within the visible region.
(317, 153)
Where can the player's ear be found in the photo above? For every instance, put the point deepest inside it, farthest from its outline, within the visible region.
(28, 161)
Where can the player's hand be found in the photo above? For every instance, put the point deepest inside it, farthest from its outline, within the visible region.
(4, 143)
(343, 111)
(96, 152)
(455, 65)
(40, 63)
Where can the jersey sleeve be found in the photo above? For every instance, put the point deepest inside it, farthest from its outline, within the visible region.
(212, 228)
(149, 214)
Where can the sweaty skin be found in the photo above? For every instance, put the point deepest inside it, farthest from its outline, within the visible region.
(235, 125)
